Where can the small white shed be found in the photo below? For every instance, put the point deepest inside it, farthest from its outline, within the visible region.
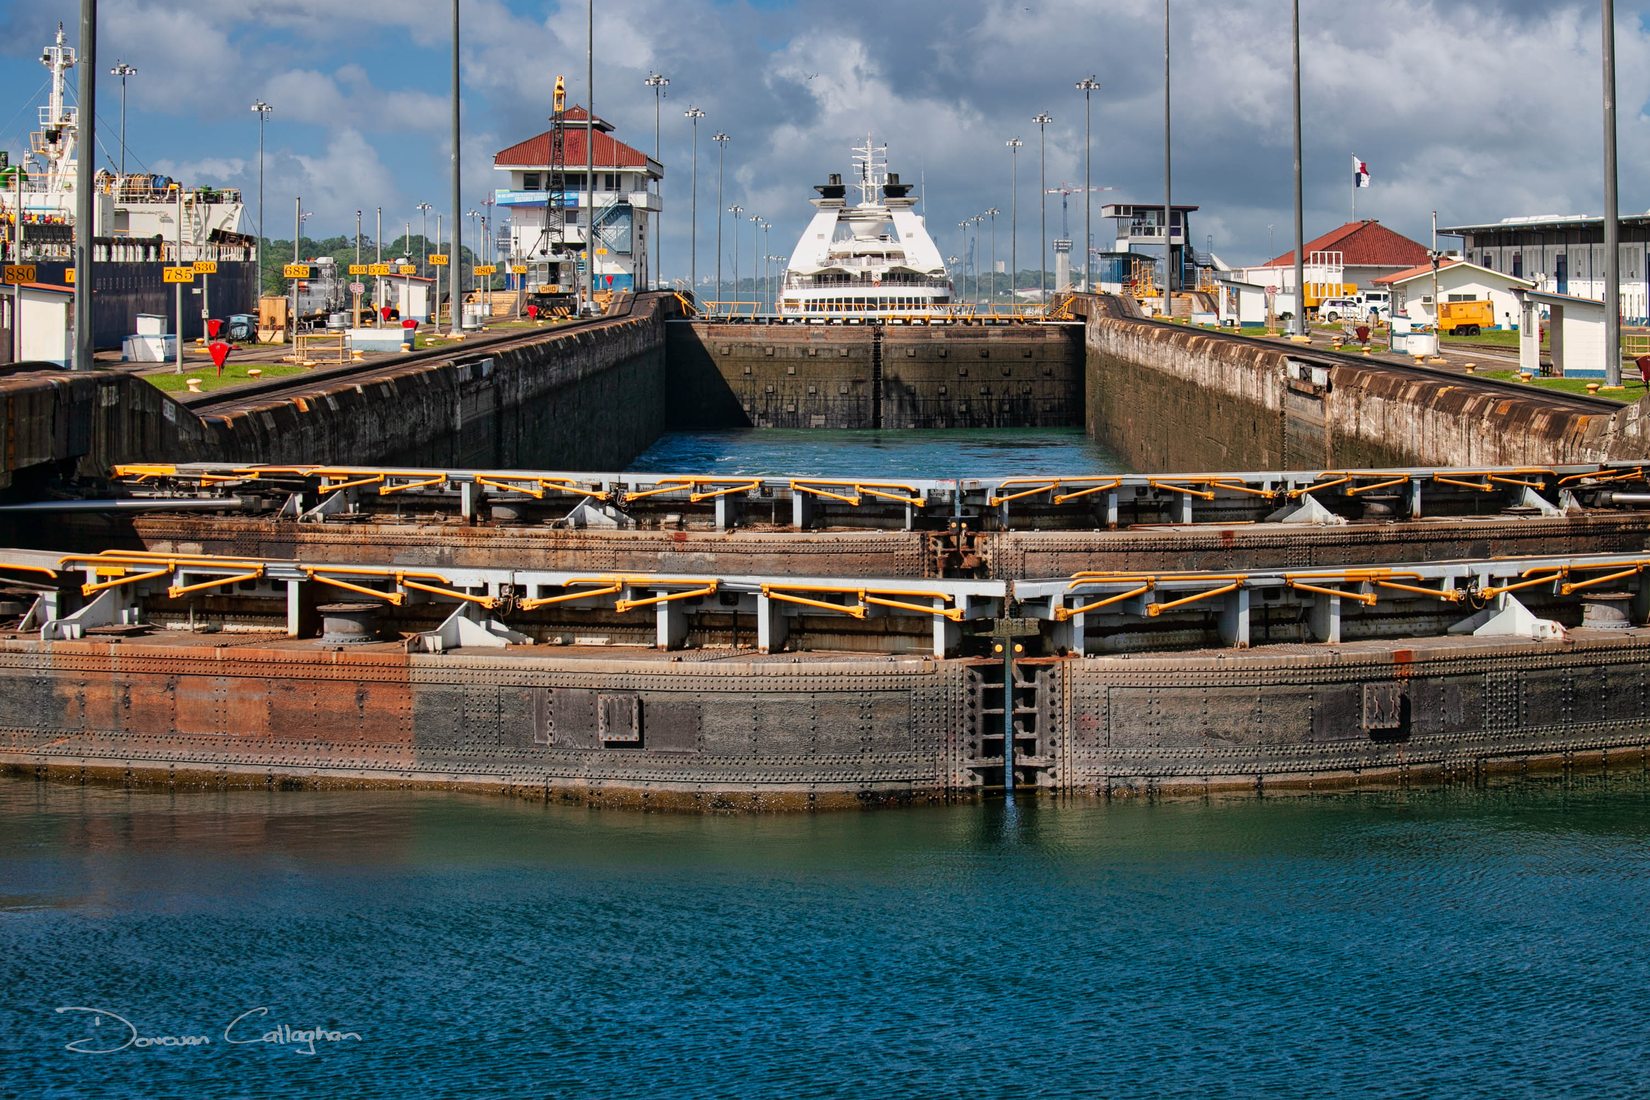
(1575, 327)
(46, 334)
(1239, 303)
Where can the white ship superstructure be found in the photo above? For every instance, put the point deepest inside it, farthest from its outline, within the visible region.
(872, 259)
(139, 205)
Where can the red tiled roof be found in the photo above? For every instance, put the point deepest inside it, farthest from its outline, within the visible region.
(610, 153)
(1362, 244)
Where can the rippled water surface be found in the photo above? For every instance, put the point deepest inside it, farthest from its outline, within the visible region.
(1453, 943)
(1007, 452)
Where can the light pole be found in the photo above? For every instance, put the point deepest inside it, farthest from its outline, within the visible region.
(721, 141)
(489, 248)
(693, 115)
(992, 214)
(1299, 324)
(766, 270)
(84, 253)
(1271, 240)
(735, 210)
(473, 214)
(756, 223)
(1612, 226)
(1086, 85)
(456, 311)
(1014, 144)
(262, 110)
(423, 209)
(1042, 120)
(590, 153)
(1168, 207)
(123, 71)
(658, 84)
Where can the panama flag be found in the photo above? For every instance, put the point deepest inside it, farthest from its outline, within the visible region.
(1360, 172)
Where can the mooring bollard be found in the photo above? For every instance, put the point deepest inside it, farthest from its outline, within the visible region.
(194, 384)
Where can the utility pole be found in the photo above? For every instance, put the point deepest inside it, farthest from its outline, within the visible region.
(1300, 219)
(658, 83)
(262, 110)
(85, 189)
(177, 260)
(1086, 85)
(590, 154)
(1042, 119)
(1169, 279)
(457, 292)
(123, 71)
(1014, 221)
(721, 141)
(693, 115)
(1612, 223)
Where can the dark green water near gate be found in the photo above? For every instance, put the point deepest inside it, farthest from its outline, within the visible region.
(1449, 943)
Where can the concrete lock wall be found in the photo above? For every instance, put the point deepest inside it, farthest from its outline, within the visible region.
(1170, 398)
(592, 399)
(874, 376)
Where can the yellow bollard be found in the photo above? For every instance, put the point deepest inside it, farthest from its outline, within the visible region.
(1592, 387)
(1525, 376)
(1472, 368)
(254, 373)
(194, 384)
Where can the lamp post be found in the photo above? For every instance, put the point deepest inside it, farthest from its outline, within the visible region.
(1042, 120)
(766, 269)
(423, 235)
(262, 110)
(423, 209)
(1612, 224)
(84, 252)
(721, 141)
(1086, 85)
(992, 214)
(590, 153)
(756, 223)
(1299, 324)
(489, 248)
(658, 83)
(735, 210)
(693, 115)
(123, 71)
(456, 312)
(1168, 207)
(473, 214)
(1014, 144)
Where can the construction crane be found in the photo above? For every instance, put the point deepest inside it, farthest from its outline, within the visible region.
(553, 275)
(1065, 194)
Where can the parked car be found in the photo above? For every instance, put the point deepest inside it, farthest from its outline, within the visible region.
(1333, 309)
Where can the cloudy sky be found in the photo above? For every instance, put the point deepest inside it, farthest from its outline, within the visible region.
(1476, 109)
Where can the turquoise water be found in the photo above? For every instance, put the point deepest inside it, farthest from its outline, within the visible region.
(1456, 943)
(940, 454)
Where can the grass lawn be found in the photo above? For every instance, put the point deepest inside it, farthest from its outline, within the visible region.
(1569, 385)
(234, 374)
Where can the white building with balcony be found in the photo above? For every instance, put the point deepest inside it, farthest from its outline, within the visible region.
(547, 224)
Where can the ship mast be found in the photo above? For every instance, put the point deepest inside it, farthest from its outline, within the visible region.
(872, 161)
(54, 142)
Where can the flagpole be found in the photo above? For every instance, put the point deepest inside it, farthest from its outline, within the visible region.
(1357, 166)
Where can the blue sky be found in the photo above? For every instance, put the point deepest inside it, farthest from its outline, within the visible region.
(1478, 110)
